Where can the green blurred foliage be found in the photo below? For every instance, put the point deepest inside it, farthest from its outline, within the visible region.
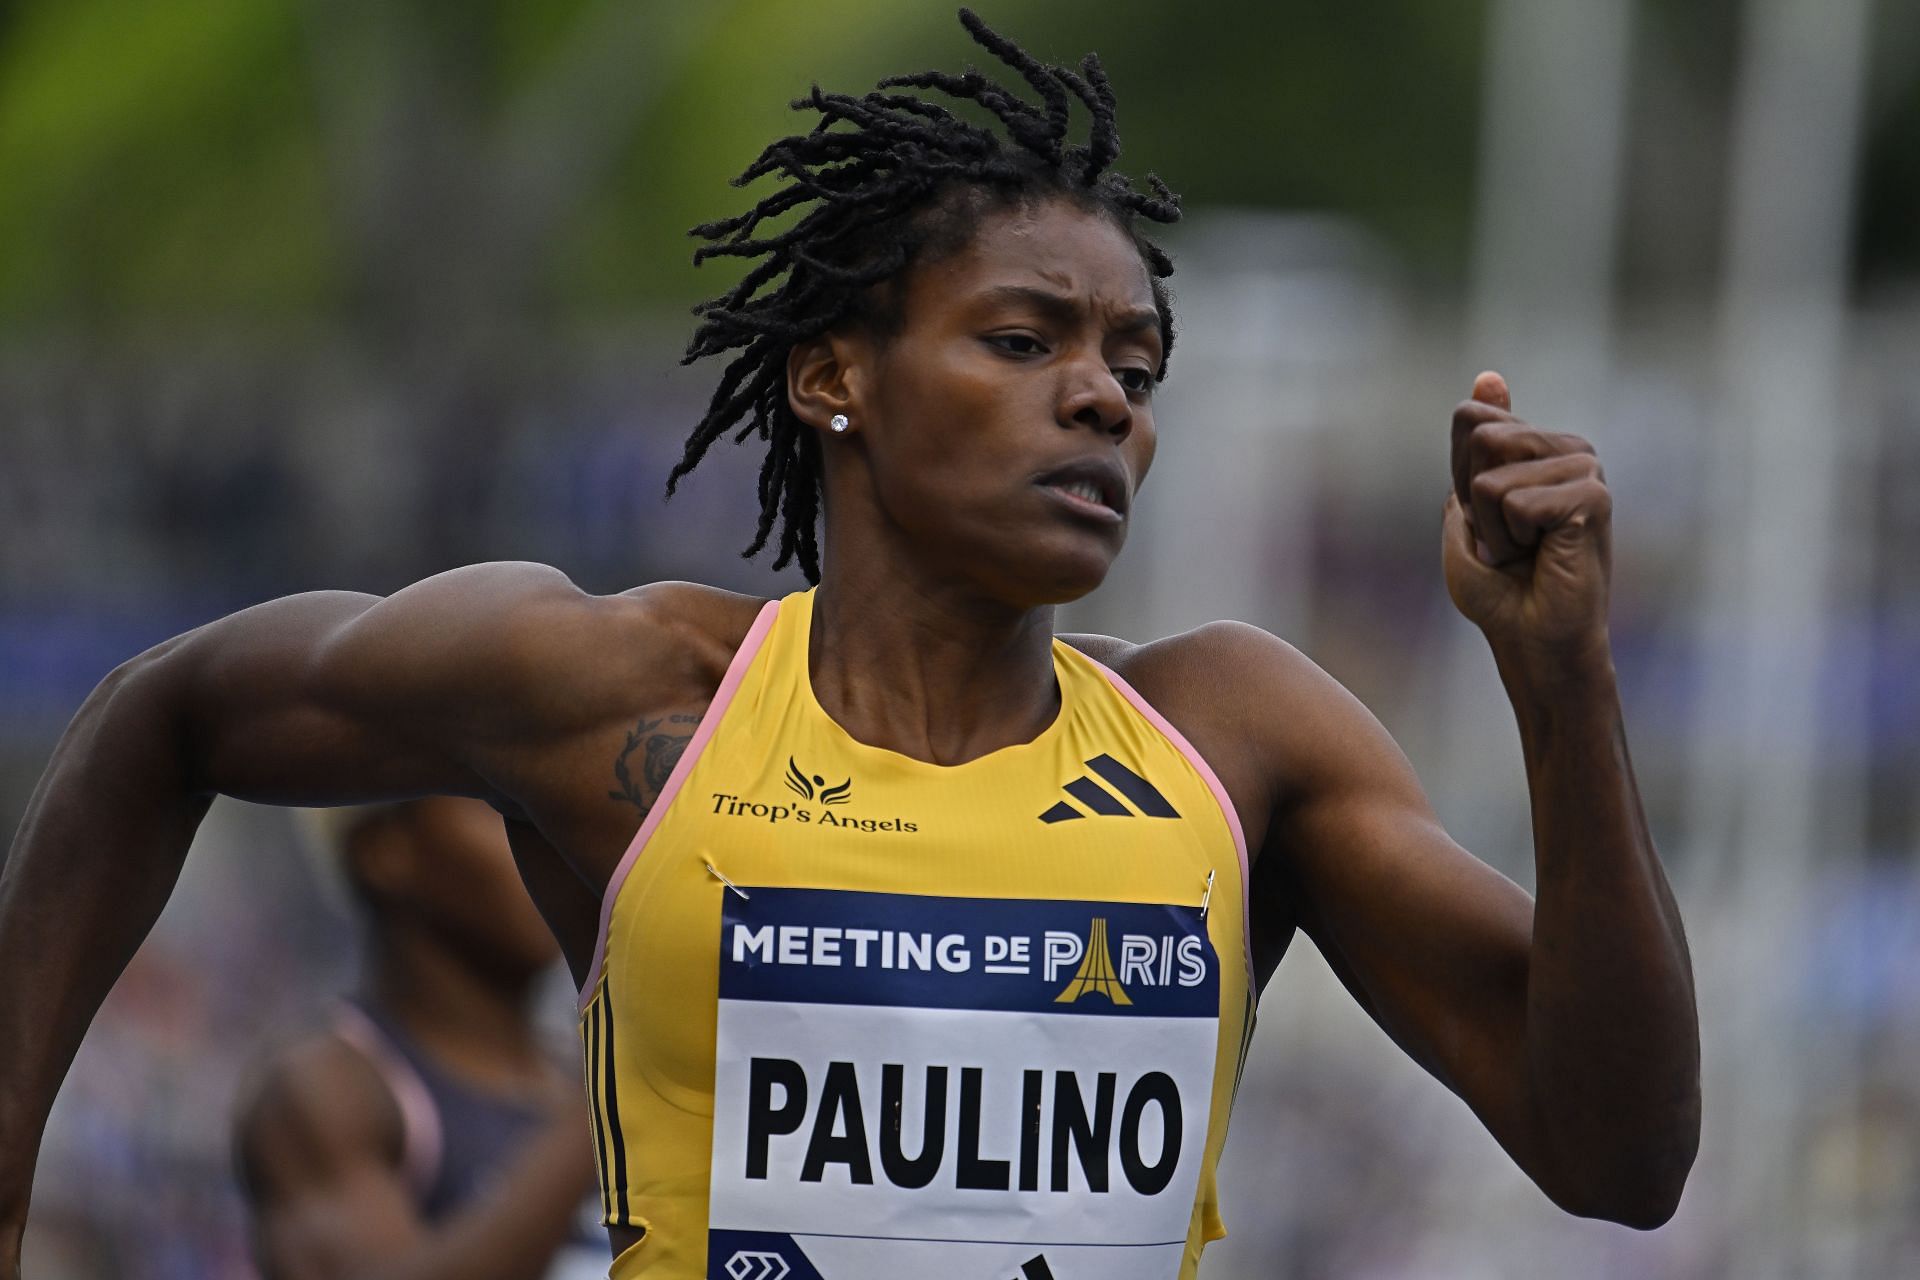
(294, 158)
(164, 157)
(1367, 107)
(157, 154)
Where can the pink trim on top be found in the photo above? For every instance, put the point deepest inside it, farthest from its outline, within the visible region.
(722, 697)
(421, 1140)
(1207, 775)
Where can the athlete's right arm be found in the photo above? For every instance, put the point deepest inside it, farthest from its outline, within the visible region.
(317, 699)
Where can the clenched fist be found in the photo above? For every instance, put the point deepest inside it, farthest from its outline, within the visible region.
(1527, 551)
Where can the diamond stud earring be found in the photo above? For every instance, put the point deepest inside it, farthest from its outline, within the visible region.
(839, 422)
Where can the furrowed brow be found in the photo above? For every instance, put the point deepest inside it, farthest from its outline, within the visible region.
(1060, 306)
(1055, 306)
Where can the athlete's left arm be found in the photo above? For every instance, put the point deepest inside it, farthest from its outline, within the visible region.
(1567, 1023)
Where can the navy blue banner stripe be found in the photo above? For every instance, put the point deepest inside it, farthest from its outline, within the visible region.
(1031, 1244)
(1145, 796)
(1110, 959)
(757, 1255)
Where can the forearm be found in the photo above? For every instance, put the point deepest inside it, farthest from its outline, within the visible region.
(93, 862)
(316, 1141)
(513, 1233)
(1612, 1032)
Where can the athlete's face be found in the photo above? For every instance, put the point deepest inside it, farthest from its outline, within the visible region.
(1006, 427)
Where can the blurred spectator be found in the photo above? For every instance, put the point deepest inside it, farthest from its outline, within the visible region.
(426, 1131)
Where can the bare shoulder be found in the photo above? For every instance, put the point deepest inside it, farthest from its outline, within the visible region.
(700, 625)
(1266, 717)
(311, 1108)
(662, 645)
(1207, 673)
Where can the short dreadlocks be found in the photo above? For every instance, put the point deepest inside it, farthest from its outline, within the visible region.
(903, 179)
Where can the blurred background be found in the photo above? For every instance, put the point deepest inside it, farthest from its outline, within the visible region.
(340, 293)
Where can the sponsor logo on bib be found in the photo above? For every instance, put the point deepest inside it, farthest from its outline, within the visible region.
(813, 786)
(757, 1264)
(818, 805)
(1002, 1088)
(1143, 796)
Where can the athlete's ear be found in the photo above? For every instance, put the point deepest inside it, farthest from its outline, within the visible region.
(825, 375)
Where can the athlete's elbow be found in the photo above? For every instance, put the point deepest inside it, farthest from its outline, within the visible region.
(131, 719)
(1642, 1208)
(1641, 1191)
(134, 690)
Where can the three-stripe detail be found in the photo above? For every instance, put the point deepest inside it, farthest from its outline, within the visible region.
(1143, 795)
(603, 1102)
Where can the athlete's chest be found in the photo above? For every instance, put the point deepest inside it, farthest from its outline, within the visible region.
(965, 1004)
(947, 1003)
(1087, 815)
(1109, 803)
(793, 867)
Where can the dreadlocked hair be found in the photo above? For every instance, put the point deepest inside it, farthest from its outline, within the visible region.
(889, 178)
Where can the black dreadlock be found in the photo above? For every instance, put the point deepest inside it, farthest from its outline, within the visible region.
(906, 178)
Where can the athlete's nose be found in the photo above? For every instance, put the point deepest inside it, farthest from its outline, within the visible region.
(1096, 399)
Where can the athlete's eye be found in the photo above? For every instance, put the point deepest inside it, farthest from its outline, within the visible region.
(1137, 381)
(1019, 344)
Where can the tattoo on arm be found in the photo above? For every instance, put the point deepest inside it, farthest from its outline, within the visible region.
(660, 743)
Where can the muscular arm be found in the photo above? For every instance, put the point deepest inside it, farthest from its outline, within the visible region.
(318, 1147)
(1567, 1023)
(450, 686)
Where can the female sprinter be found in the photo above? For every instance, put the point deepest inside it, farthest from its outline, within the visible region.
(913, 938)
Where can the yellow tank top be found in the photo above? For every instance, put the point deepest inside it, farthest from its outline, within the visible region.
(854, 1016)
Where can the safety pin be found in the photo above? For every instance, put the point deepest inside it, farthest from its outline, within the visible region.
(722, 878)
(1205, 898)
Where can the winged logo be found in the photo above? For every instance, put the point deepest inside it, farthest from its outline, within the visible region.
(813, 786)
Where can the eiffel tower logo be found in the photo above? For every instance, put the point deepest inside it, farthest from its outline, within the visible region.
(1096, 971)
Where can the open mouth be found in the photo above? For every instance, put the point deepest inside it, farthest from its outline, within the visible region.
(1092, 489)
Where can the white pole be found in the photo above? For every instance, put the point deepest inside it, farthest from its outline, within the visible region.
(1758, 796)
(1541, 310)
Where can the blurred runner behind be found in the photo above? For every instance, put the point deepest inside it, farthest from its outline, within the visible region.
(425, 1132)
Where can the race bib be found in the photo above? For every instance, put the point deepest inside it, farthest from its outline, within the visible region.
(958, 1087)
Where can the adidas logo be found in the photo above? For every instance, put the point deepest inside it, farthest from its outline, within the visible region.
(1143, 795)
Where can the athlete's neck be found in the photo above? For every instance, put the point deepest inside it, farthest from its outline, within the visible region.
(477, 1024)
(930, 669)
